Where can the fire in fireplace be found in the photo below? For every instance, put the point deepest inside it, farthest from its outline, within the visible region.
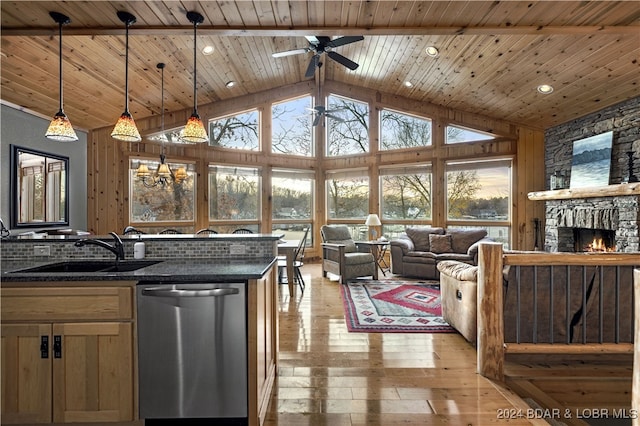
(594, 240)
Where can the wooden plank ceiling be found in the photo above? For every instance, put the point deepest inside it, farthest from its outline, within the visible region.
(492, 57)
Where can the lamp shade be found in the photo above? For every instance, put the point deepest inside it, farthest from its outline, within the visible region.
(373, 220)
(194, 130)
(60, 129)
(143, 171)
(125, 129)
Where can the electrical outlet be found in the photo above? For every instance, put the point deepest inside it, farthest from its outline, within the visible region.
(42, 250)
(236, 249)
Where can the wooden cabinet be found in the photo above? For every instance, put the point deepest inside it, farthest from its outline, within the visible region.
(262, 344)
(67, 354)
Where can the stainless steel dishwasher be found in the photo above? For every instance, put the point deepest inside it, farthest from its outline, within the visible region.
(192, 352)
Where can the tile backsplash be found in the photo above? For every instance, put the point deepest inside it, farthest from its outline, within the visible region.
(165, 248)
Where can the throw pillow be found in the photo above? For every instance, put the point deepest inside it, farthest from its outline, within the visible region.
(440, 243)
(420, 237)
(462, 239)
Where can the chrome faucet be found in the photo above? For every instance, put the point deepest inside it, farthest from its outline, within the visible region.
(117, 248)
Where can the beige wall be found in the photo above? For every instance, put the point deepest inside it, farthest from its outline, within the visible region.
(107, 186)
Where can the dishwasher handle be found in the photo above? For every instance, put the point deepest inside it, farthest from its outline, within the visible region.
(163, 292)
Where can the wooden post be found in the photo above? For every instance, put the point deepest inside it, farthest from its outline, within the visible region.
(635, 391)
(490, 312)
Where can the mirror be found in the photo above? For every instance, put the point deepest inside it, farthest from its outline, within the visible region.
(39, 183)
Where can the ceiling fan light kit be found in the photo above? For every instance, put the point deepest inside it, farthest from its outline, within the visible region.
(125, 128)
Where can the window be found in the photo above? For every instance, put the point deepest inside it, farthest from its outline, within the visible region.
(479, 190)
(238, 131)
(291, 127)
(168, 136)
(234, 193)
(292, 202)
(174, 202)
(398, 130)
(406, 192)
(348, 194)
(457, 134)
(347, 127)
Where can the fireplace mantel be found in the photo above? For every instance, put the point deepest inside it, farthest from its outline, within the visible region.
(592, 192)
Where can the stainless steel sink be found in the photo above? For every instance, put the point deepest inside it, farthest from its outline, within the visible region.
(91, 266)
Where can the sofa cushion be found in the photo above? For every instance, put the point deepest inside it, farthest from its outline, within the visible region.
(460, 257)
(420, 237)
(462, 239)
(440, 243)
(358, 258)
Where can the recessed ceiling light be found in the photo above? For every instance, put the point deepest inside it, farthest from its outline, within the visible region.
(432, 51)
(207, 50)
(545, 89)
(408, 84)
(230, 84)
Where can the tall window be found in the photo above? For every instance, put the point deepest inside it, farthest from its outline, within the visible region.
(234, 193)
(239, 131)
(457, 134)
(292, 201)
(174, 202)
(347, 126)
(348, 194)
(479, 194)
(291, 127)
(398, 130)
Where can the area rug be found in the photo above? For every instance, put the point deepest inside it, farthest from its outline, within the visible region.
(393, 306)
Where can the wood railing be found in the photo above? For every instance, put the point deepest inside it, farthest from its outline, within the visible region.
(491, 330)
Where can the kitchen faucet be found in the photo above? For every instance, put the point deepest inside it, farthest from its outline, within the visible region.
(117, 248)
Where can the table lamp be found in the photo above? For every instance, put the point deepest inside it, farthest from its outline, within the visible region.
(372, 221)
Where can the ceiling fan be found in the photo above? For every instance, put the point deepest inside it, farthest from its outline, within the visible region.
(320, 45)
(320, 110)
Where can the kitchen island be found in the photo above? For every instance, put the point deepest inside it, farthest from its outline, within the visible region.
(70, 344)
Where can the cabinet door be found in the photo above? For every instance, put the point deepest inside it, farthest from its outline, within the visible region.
(92, 377)
(26, 374)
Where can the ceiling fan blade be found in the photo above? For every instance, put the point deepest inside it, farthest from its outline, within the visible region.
(317, 119)
(341, 41)
(343, 60)
(334, 117)
(311, 69)
(320, 109)
(289, 52)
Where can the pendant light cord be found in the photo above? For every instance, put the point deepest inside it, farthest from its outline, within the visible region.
(195, 92)
(161, 66)
(60, 44)
(126, 69)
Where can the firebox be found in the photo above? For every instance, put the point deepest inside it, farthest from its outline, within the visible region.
(594, 240)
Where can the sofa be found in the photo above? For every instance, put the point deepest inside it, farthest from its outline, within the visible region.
(417, 251)
(534, 313)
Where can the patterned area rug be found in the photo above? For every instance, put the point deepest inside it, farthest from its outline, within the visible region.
(393, 306)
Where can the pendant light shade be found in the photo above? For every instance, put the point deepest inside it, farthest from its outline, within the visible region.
(194, 131)
(125, 129)
(60, 128)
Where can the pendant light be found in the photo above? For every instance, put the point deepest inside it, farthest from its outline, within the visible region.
(194, 130)
(163, 174)
(125, 129)
(60, 128)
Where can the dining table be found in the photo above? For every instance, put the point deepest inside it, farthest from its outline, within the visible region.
(287, 248)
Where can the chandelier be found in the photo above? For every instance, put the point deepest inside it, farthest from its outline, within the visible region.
(163, 176)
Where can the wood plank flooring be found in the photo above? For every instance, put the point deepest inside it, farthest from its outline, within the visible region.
(328, 376)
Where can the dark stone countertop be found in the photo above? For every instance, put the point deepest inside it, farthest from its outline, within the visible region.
(183, 270)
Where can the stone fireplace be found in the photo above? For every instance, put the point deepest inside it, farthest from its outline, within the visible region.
(575, 218)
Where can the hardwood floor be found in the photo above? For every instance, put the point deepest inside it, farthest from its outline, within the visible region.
(328, 376)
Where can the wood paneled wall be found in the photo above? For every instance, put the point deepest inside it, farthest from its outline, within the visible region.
(108, 198)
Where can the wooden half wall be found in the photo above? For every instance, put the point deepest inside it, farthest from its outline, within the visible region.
(107, 187)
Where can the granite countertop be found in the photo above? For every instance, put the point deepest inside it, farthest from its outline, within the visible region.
(191, 270)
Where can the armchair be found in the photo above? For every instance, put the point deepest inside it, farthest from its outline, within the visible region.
(342, 256)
